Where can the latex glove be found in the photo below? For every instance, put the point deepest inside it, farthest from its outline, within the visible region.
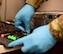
(23, 18)
(39, 41)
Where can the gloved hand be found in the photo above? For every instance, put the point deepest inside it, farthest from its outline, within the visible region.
(39, 41)
(23, 18)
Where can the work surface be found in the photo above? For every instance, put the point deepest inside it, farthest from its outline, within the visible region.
(5, 50)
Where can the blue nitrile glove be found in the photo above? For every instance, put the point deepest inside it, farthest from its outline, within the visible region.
(23, 18)
(39, 41)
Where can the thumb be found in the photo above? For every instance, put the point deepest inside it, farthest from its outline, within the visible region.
(27, 24)
(27, 27)
(18, 25)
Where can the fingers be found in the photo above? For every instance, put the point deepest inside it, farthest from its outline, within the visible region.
(27, 45)
(19, 41)
(15, 43)
(18, 25)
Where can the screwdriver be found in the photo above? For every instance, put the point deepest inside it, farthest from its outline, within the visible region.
(4, 35)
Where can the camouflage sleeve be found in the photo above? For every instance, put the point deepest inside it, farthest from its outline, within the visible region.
(56, 28)
(35, 3)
